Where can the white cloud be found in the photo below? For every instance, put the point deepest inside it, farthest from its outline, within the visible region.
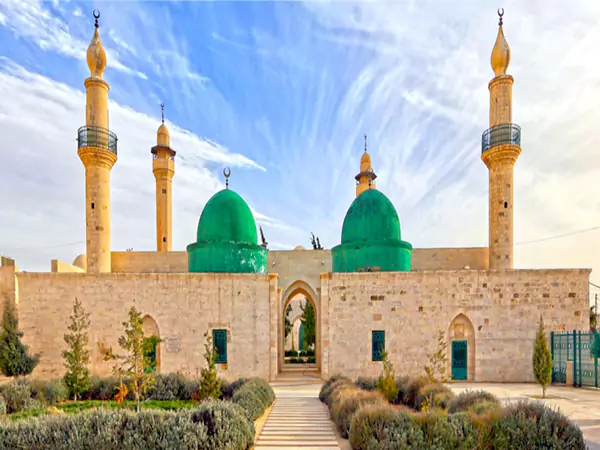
(43, 208)
(33, 21)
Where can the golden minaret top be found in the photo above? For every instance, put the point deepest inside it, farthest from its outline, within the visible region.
(163, 138)
(365, 160)
(96, 57)
(501, 52)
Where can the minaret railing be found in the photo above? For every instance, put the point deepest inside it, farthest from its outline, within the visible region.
(92, 136)
(505, 134)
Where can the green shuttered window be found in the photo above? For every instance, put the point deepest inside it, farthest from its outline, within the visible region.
(220, 345)
(377, 344)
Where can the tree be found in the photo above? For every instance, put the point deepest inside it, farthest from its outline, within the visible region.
(593, 318)
(15, 359)
(308, 319)
(542, 359)
(387, 381)
(77, 356)
(135, 362)
(288, 324)
(436, 368)
(210, 383)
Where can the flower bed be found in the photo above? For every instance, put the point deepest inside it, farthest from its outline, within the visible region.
(97, 423)
(428, 416)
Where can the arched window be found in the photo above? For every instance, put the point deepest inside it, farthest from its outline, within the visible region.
(151, 344)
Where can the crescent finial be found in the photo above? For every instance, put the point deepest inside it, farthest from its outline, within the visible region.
(227, 174)
(500, 14)
(96, 14)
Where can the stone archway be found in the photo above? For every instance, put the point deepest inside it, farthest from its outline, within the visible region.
(150, 328)
(461, 334)
(303, 288)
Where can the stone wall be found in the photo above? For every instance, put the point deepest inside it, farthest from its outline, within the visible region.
(149, 262)
(503, 307)
(450, 258)
(56, 265)
(184, 306)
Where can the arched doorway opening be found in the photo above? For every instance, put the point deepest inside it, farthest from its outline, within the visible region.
(461, 337)
(299, 301)
(151, 343)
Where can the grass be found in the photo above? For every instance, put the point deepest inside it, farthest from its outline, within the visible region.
(75, 407)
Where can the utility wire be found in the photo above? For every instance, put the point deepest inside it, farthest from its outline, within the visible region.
(558, 236)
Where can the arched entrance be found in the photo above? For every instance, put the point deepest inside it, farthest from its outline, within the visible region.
(461, 337)
(151, 342)
(299, 290)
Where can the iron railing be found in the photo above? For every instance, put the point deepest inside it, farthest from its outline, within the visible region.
(97, 137)
(582, 349)
(508, 133)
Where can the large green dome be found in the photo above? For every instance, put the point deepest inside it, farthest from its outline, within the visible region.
(371, 217)
(226, 238)
(371, 238)
(227, 218)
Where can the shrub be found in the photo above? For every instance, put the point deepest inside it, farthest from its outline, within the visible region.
(254, 397)
(226, 423)
(383, 427)
(466, 399)
(434, 396)
(410, 390)
(348, 403)
(169, 386)
(311, 360)
(533, 425)
(387, 383)
(484, 407)
(325, 389)
(2, 405)
(443, 431)
(102, 388)
(230, 389)
(17, 395)
(367, 383)
(49, 392)
(337, 389)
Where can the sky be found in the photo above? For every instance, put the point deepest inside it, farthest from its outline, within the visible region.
(282, 94)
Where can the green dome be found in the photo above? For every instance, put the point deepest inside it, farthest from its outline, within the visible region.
(227, 218)
(371, 217)
(371, 237)
(227, 238)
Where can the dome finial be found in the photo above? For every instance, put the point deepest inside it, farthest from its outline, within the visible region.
(96, 57)
(365, 143)
(501, 52)
(162, 112)
(227, 174)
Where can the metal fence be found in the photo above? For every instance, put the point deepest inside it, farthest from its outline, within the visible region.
(507, 133)
(97, 137)
(575, 352)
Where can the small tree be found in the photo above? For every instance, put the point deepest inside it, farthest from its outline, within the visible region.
(387, 381)
(210, 384)
(308, 319)
(134, 363)
(15, 359)
(436, 368)
(77, 356)
(542, 359)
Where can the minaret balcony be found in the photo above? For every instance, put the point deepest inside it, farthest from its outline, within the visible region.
(91, 136)
(505, 134)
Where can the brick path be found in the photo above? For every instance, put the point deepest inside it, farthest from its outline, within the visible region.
(298, 422)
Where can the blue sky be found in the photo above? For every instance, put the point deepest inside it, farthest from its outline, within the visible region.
(282, 93)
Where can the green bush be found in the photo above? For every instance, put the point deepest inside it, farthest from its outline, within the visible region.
(289, 353)
(17, 395)
(409, 390)
(384, 427)
(443, 431)
(326, 388)
(483, 407)
(2, 406)
(254, 397)
(337, 389)
(49, 392)
(348, 403)
(309, 352)
(367, 383)
(533, 425)
(439, 395)
(102, 388)
(466, 399)
(311, 360)
(213, 425)
(230, 389)
(169, 386)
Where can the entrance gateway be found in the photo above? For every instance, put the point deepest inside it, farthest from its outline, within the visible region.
(459, 360)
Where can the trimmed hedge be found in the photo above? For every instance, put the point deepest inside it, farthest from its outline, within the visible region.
(348, 402)
(367, 383)
(327, 387)
(439, 395)
(466, 399)
(255, 396)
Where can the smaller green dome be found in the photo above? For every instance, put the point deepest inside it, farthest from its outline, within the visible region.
(371, 237)
(227, 218)
(371, 217)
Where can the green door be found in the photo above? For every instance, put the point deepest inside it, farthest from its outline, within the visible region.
(459, 360)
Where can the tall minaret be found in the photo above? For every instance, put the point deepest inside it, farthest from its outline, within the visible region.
(366, 177)
(500, 148)
(97, 148)
(163, 167)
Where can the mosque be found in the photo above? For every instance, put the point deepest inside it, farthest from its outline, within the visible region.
(372, 291)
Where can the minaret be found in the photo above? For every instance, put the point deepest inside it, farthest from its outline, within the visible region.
(366, 177)
(163, 167)
(97, 149)
(500, 148)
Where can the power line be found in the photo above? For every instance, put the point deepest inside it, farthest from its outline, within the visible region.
(558, 236)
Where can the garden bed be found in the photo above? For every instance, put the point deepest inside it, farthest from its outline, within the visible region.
(421, 415)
